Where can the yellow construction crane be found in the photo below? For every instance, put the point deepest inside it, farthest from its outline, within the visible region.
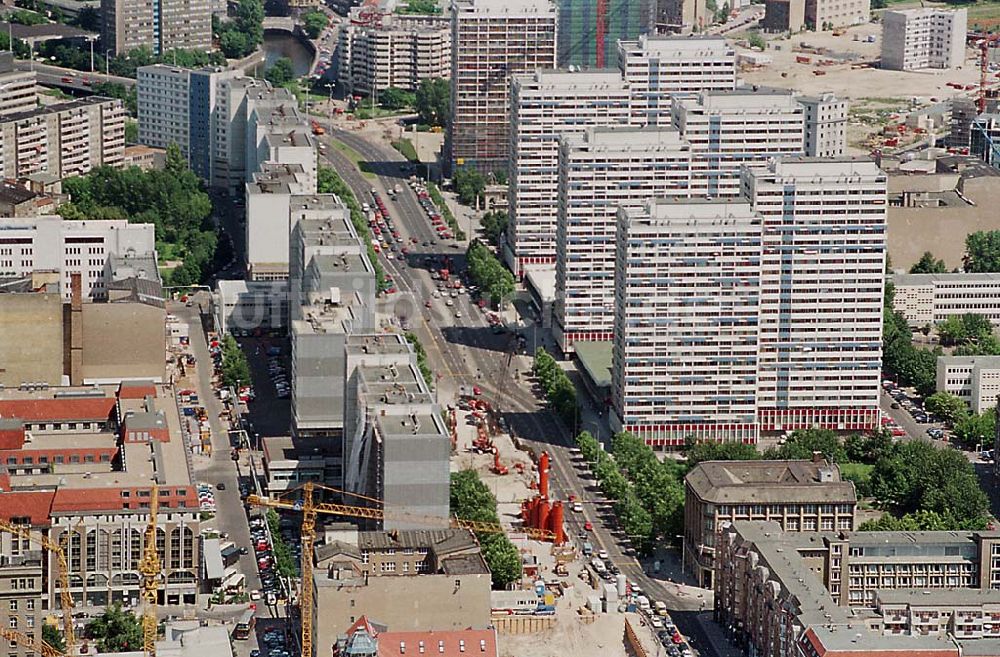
(150, 569)
(310, 509)
(39, 646)
(65, 598)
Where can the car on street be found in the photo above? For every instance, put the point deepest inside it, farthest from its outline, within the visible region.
(220, 486)
(589, 526)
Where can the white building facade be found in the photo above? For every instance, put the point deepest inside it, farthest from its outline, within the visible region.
(916, 39)
(932, 298)
(395, 51)
(660, 67)
(687, 293)
(52, 243)
(974, 379)
(730, 129)
(822, 282)
(600, 171)
(825, 125)
(545, 105)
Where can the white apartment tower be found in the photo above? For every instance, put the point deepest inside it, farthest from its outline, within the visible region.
(825, 125)
(657, 68)
(397, 51)
(915, 39)
(687, 291)
(600, 171)
(494, 39)
(822, 280)
(730, 129)
(163, 103)
(545, 105)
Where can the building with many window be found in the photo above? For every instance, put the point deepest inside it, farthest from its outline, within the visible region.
(831, 14)
(160, 25)
(81, 465)
(601, 171)
(544, 106)
(796, 594)
(800, 496)
(820, 332)
(494, 41)
(917, 39)
(932, 298)
(392, 51)
(18, 89)
(974, 379)
(657, 68)
(686, 296)
(730, 129)
(825, 125)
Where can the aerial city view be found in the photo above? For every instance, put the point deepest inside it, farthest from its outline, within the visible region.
(499, 328)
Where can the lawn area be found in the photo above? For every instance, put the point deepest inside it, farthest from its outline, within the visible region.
(983, 15)
(354, 157)
(405, 146)
(856, 470)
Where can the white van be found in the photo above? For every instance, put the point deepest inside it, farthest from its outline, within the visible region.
(644, 603)
(661, 608)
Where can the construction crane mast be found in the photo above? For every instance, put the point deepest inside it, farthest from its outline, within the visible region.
(150, 569)
(65, 598)
(309, 509)
(984, 69)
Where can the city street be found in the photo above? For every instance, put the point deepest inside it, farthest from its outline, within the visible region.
(465, 352)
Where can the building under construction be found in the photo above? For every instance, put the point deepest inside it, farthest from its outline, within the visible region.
(589, 30)
(80, 467)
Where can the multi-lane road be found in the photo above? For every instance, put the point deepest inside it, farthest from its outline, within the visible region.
(464, 352)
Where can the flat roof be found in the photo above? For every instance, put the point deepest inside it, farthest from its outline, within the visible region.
(855, 639)
(595, 358)
(953, 278)
(952, 597)
(214, 568)
(377, 343)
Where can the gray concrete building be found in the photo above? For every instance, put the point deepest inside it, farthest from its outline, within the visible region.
(160, 25)
(397, 446)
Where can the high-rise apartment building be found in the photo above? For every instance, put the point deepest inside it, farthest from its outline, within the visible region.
(188, 108)
(915, 39)
(730, 129)
(589, 30)
(494, 39)
(825, 125)
(65, 139)
(18, 89)
(823, 274)
(396, 51)
(657, 68)
(545, 105)
(831, 14)
(160, 25)
(687, 296)
(600, 171)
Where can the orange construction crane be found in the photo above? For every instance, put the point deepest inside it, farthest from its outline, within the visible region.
(984, 69)
(65, 598)
(151, 571)
(310, 509)
(39, 646)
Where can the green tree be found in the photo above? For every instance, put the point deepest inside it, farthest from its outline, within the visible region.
(395, 98)
(982, 252)
(911, 522)
(712, 451)
(946, 406)
(419, 7)
(241, 36)
(976, 430)
(119, 91)
(314, 22)
(494, 225)
(470, 499)
(116, 630)
(433, 101)
(928, 264)
(52, 636)
(755, 40)
(469, 185)
(281, 72)
(802, 443)
(503, 559)
(425, 369)
(489, 273)
(867, 447)
(235, 368)
(234, 44)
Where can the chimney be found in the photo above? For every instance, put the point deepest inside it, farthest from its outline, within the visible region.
(818, 457)
(75, 332)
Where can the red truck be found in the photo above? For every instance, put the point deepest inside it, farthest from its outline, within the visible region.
(444, 274)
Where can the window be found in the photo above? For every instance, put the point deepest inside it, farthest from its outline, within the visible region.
(30, 605)
(13, 622)
(13, 605)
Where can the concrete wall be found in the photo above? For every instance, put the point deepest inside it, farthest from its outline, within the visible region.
(31, 339)
(123, 341)
(942, 231)
(404, 603)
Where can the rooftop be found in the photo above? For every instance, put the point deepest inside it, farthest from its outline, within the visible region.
(854, 640)
(953, 278)
(442, 541)
(767, 482)
(570, 80)
(492, 7)
(953, 597)
(393, 384)
(377, 343)
(625, 139)
(667, 44)
(56, 108)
